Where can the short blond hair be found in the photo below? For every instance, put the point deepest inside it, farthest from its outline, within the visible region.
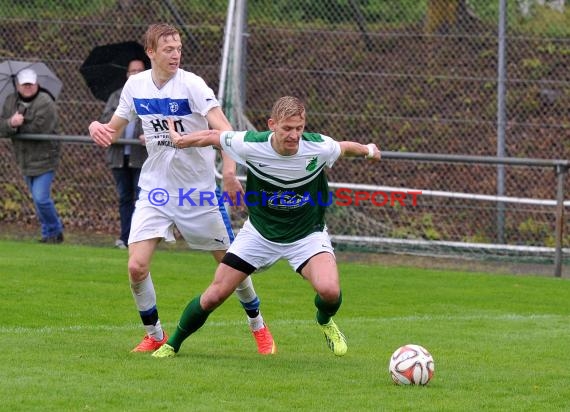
(155, 32)
(287, 106)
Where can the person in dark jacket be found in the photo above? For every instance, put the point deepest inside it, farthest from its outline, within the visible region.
(126, 160)
(33, 110)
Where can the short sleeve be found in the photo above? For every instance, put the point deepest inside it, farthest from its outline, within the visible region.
(126, 109)
(203, 97)
(233, 144)
(332, 151)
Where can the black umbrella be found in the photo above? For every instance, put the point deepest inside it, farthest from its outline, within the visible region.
(105, 69)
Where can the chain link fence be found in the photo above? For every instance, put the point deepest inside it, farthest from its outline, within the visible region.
(413, 76)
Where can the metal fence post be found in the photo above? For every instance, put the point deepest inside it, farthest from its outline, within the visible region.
(501, 118)
(560, 176)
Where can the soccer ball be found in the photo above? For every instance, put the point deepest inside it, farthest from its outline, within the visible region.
(411, 365)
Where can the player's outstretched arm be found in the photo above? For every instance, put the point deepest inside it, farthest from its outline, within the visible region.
(200, 138)
(106, 134)
(354, 149)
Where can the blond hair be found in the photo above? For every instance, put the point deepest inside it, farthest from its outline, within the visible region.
(155, 32)
(286, 107)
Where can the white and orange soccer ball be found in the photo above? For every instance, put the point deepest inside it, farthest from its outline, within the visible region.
(411, 365)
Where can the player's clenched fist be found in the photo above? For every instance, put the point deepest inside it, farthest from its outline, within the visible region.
(210, 137)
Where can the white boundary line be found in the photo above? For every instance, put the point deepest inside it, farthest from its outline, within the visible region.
(508, 317)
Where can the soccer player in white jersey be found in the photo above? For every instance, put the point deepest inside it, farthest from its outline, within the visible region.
(171, 177)
(287, 194)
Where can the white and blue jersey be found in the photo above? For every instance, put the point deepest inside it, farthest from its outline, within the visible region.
(185, 98)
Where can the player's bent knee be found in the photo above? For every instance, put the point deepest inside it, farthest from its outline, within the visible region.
(137, 271)
(330, 294)
(212, 298)
(211, 302)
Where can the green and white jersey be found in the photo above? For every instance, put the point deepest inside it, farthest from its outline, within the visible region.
(286, 195)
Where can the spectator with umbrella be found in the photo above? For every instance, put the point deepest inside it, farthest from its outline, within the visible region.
(31, 109)
(105, 66)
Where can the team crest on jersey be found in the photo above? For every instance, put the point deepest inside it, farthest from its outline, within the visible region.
(173, 107)
(228, 138)
(311, 164)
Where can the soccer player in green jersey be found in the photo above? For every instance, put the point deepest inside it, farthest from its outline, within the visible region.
(287, 195)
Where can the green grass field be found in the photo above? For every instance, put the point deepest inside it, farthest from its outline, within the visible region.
(500, 342)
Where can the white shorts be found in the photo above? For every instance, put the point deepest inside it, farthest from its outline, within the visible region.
(262, 253)
(203, 227)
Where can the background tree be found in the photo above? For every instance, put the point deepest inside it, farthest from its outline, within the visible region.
(444, 16)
